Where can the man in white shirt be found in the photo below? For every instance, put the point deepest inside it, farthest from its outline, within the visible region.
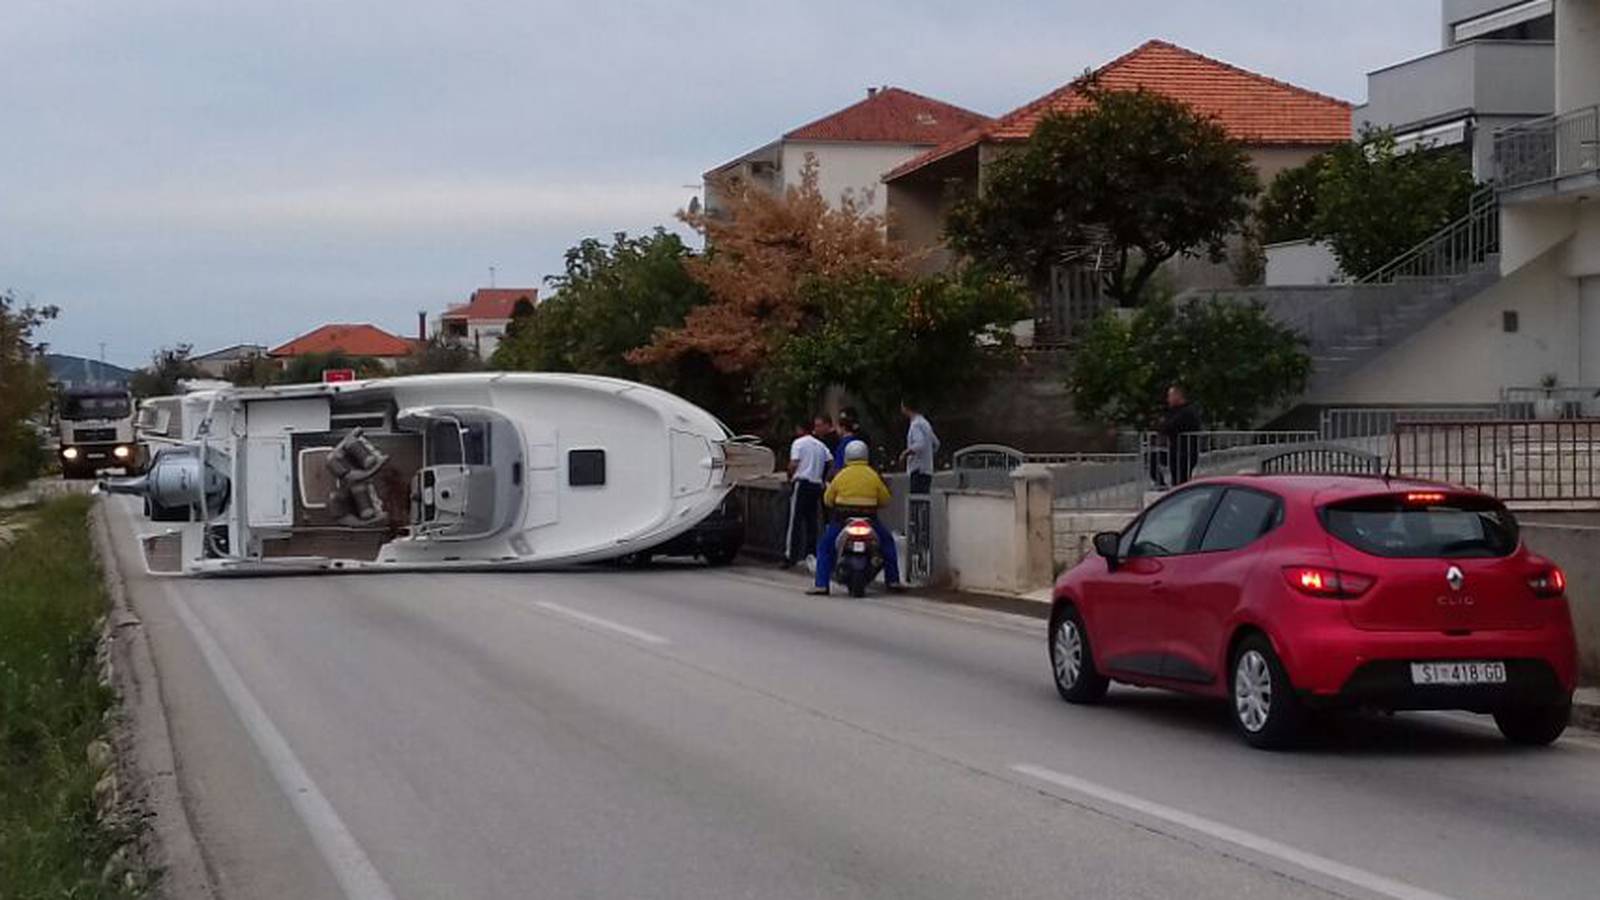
(808, 466)
(921, 445)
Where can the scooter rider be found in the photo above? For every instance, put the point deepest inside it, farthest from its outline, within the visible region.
(856, 491)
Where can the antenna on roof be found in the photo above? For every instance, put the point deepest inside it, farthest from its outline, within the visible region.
(491, 276)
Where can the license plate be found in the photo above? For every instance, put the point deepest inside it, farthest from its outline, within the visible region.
(1455, 673)
(858, 547)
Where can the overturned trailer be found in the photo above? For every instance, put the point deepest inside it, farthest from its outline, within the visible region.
(462, 471)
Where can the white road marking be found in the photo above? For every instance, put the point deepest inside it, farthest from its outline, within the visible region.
(598, 622)
(1369, 881)
(358, 878)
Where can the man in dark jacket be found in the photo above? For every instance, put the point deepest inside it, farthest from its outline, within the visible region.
(1178, 429)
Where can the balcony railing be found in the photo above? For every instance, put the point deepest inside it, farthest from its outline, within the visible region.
(1543, 150)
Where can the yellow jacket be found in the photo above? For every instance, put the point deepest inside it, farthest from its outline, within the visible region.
(857, 486)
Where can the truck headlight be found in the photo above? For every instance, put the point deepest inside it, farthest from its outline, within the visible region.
(70, 453)
(121, 452)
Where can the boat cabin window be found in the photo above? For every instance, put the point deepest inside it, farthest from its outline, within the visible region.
(586, 468)
(453, 444)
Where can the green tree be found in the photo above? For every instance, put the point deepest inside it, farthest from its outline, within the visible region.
(440, 355)
(1234, 360)
(612, 301)
(884, 340)
(1134, 175)
(168, 366)
(1288, 208)
(255, 370)
(24, 387)
(1374, 203)
(308, 369)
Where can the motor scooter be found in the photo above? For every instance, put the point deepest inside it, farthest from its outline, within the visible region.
(860, 559)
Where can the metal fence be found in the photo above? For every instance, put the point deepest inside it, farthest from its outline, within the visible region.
(1562, 402)
(1512, 460)
(1541, 150)
(1095, 481)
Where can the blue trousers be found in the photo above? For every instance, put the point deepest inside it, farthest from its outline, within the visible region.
(827, 552)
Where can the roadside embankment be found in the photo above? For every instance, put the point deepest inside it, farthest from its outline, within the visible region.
(65, 830)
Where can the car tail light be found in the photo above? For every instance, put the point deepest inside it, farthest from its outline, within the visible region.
(1318, 581)
(1551, 582)
(1425, 498)
(858, 529)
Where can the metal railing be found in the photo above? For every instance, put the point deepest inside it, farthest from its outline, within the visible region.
(1459, 248)
(1359, 424)
(1512, 460)
(1562, 402)
(1101, 481)
(1546, 149)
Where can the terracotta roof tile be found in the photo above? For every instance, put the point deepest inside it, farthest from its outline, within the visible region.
(352, 340)
(891, 115)
(1255, 109)
(492, 303)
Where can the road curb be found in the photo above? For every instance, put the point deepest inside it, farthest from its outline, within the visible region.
(170, 847)
(1586, 709)
(1015, 604)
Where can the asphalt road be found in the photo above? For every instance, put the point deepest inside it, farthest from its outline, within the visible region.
(689, 733)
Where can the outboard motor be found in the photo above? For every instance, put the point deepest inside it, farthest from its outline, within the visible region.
(175, 483)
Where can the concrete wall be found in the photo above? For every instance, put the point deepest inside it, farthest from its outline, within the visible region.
(1577, 54)
(1300, 262)
(1573, 548)
(1074, 533)
(1001, 542)
(855, 169)
(1466, 356)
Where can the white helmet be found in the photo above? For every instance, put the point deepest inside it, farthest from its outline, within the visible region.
(855, 451)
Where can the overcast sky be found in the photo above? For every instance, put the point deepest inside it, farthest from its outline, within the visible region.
(210, 173)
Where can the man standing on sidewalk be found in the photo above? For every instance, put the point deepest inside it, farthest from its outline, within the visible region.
(921, 445)
(808, 466)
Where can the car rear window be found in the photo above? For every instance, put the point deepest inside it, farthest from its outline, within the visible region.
(1423, 525)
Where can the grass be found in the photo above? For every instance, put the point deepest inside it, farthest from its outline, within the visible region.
(51, 706)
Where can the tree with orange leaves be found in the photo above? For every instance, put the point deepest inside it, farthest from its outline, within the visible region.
(760, 250)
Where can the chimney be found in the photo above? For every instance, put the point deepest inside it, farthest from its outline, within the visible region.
(872, 92)
(422, 325)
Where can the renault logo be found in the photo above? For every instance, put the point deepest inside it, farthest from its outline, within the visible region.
(1454, 577)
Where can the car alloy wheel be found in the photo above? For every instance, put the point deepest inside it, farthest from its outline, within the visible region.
(1252, 691)
(1068, 658)
(1072, 658)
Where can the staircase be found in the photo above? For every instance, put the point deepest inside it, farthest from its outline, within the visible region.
(1348, 325)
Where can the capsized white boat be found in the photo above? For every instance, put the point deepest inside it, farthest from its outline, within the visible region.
(460, 471)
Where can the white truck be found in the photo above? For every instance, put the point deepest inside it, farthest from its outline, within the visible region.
(94, 425)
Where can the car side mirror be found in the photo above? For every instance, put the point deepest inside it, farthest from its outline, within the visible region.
(1105, 544)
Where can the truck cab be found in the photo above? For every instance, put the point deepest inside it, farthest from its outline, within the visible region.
(94, 425)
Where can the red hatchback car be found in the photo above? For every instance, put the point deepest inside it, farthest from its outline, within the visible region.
(1291, 593)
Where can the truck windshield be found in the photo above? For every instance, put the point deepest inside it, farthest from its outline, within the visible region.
(96, 406)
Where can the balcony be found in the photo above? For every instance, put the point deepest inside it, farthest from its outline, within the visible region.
(1552, 155)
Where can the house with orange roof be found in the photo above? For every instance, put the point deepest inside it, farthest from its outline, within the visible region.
(1280, 124)
(348, 340)
(852, 147)
(482, 321)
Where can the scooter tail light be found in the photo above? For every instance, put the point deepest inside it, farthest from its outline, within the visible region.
(858, 529)
(1551, 582)
(1320, 581)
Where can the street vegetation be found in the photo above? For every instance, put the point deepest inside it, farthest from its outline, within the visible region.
(1367, 201)
(792, 295)
(24, 389)
(1132, 179)
(54, 840)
